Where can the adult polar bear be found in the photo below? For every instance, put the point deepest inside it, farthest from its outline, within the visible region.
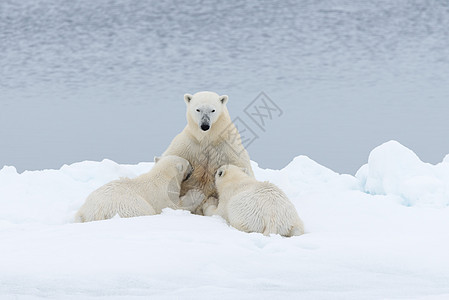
(209, 141)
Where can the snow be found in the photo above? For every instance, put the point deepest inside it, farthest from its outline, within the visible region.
(393, 169)
(379, 235)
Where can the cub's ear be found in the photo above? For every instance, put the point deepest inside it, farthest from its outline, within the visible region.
(157, 158)
(187, 98)
(223, 99)
(180, 167)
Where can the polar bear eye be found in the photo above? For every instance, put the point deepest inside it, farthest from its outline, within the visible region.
(213, 110)
(197, 110)
(220, 173)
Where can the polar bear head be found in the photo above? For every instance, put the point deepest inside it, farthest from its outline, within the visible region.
(205, 108)
(230, 173)
(173, 167)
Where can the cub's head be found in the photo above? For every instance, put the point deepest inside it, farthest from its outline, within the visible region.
(174, 166)
(230, 172)
(204, 108)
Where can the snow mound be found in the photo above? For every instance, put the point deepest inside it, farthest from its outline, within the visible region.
(393, 169)
(303, 176)
(446, 159)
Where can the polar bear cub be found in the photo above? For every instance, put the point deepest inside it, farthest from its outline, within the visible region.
(253, 206)
(147, 194)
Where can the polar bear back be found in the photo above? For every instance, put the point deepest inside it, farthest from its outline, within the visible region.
(263, 207)
(115, 198)
(144, 195)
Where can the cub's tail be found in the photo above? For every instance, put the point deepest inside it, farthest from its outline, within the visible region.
(78, 218)
(297, 230)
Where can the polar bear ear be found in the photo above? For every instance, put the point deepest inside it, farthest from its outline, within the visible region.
(157, 158)
(187, 98)
(223, 99)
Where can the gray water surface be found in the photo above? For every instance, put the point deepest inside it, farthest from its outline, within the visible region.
(87, 80)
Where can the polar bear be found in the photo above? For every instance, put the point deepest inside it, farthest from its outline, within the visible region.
(252, 206)
(147, 194)
(209, 140)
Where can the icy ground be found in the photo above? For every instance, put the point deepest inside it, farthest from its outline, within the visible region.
(380, 235)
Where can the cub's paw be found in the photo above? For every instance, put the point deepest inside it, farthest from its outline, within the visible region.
(209, 206)
(211, 201)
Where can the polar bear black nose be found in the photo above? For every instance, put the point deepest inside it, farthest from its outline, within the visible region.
(205, 127)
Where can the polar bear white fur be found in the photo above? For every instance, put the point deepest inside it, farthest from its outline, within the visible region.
(209, 140)
(145, 195)
(253, 206)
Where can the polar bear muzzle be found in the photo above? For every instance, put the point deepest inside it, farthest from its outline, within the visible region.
(205, 123)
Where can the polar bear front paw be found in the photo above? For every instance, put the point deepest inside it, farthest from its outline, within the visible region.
(210, 206)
